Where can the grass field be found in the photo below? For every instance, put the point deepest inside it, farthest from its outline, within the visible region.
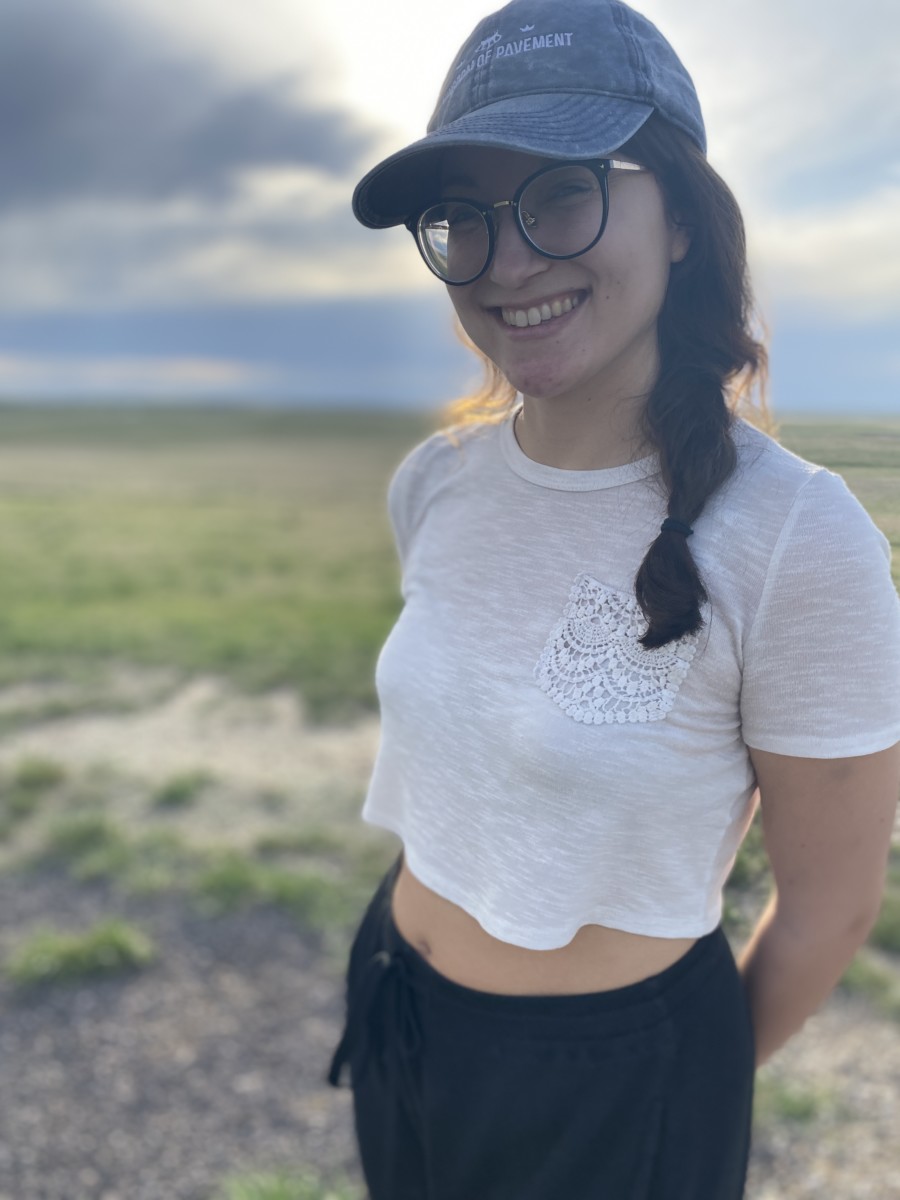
(252, 544)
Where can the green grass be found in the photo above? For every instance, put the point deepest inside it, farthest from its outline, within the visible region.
(254, 545)
(886, 934)
(327, 896)
(23, 792)
(36, 775)
(286, 1185)
(182, 791)
(234, 880)
(109, 948)
(776, 1100)
(71, 836)
(16, 805)
(880, 986)
(312, 840)
(752, 864)
(92, 846)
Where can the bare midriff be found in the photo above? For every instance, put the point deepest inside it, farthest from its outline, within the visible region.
(597, 958)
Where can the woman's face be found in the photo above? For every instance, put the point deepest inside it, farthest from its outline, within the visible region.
(605, 345)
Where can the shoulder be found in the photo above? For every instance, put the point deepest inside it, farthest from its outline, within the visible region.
(427, 469)
(767, 468)
(429, 463)
(435, 452)
(784, 496)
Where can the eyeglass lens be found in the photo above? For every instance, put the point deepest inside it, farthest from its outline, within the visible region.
(561, 211)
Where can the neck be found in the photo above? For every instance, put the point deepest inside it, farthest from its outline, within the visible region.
(581, 436)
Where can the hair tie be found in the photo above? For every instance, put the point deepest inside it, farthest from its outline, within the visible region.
(674, 525)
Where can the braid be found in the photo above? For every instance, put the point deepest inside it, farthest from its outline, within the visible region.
(688, 420)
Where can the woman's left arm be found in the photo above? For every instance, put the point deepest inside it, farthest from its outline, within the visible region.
(827, 826)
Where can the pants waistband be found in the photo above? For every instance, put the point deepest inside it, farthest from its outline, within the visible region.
(669, 985)
(383, 1004)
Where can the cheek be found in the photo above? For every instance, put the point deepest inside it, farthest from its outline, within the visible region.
(459, 298)
(469, 314)
(641, 243)
(639, 279)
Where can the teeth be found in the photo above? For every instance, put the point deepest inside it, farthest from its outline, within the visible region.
(521, 317)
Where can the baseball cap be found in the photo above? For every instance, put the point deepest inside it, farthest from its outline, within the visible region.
(557, 78)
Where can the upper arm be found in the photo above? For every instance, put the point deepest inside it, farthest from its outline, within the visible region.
(827, 826)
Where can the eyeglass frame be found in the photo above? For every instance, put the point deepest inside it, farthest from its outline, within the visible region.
(600, 167)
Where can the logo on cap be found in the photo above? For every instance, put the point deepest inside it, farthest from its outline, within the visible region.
(493, 48)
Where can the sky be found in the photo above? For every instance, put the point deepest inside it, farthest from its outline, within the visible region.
(175, 195)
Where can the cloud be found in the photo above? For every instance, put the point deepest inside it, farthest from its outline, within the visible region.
(107, 106)
(278, 236)
(798, 95)
(115, 375)
(147, 162)
(140, 170)
(802, 105)
(840, 260)
(399, 350)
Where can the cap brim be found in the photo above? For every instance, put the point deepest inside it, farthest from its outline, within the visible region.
(553, 126)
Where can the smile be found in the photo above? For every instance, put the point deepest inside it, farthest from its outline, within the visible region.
(539, 313)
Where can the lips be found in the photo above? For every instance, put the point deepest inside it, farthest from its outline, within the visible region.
(541, 312)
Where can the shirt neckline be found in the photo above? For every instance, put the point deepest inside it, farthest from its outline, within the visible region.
(565, 480)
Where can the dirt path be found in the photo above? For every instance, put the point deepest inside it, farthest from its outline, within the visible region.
(250, 740)
(154, 1087)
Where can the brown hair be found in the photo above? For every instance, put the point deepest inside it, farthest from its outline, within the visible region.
(712, 367)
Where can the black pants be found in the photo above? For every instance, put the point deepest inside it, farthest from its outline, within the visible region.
(643, 1092)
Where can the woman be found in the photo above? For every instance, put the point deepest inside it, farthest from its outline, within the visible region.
(628, 616)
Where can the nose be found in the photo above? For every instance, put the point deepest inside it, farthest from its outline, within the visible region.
(514, 260)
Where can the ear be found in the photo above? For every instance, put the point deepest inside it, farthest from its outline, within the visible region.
(679, 240)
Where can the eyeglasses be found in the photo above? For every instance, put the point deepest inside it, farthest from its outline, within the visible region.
(561, 212)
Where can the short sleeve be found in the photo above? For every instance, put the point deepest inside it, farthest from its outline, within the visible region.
(399, 506)
(821, 672)
(413, 485)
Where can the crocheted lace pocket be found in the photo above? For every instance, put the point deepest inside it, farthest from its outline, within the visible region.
(595, 669)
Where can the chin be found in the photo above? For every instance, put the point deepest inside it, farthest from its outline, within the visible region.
(540, 385)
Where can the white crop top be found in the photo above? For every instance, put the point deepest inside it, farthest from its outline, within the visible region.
(541, 768)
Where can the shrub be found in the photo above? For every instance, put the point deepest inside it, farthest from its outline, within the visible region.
(182, 790)
(111, 947)
(37, 775)
(879, 985)
(781, 1100)
(886, 934)
(283, 1185)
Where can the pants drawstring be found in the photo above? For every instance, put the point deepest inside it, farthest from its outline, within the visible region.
(370, 1025)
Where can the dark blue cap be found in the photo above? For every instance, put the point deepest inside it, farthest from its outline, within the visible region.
(556, 78)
